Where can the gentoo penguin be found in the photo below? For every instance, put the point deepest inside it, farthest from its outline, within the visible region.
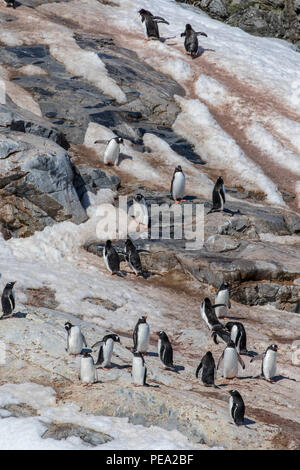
(165, 351)
(87, 374)
(140, 210)
(8, 299)
(112, 151)
(10, 3)
(223, 298)
(106, 349)
(139, 369)
(191, 40)
(221, 332)
(208, 313)
(150, 24)
(236, 407)
(75, 339)
(268, 365)
(141, 336)
(133, 258)
(208, 366)
(178, 184)
(111, 259)
(218, 196)
(238, 336)
(230, 358)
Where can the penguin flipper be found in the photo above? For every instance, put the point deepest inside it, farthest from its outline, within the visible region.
(258, 357)
(12, 299)
(222, 193)
(159, 19)
(198, 369)
(220, 359)
(229, 304)
(218, 305)
(145, 377)
(84, 340)
(241, 361)
(99, 343)
(182, 35)
(199, 33)
(135, 337)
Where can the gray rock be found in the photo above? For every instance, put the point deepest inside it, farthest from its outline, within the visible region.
(92, 179)
(89, 436)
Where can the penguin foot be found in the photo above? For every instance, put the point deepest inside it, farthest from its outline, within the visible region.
(115, 166)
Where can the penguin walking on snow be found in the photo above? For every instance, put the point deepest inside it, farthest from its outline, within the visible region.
(111, 259)
(112, 151)
(178, 185)
(75, 339)
(141, 335)
(165, 351)
(218, 196)
(208, 368)
(133, 258)
(268, 365)
(223, 298)
(88, 373)
(150, 24)
(191, 40)
(8, 300)
(236, 407)
(106, 350)
(140, 210)
(139, 369)
(230, 358)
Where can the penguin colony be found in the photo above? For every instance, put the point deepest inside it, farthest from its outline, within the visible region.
(233, 334)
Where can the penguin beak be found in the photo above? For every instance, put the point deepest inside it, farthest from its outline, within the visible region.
(14, 282)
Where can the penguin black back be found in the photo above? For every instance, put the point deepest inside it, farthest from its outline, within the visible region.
(8, 299)
(208, 366)
(236, 407)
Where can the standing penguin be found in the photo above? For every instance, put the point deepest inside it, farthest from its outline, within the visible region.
(112, 151)
(10, 3)
(191, 40)
(268, 365)
(178, 185)
(140, 210)
(236, 407)
(218, 196)
(230, 358)
(111, 259)
(141, 335)
(150, 24)
(238, 336)
(8, 299)
(165, 351)
(208, 313)
(106, 350)
(139, 369)
(133, 258)
(75, 339)
(87, 374)
(208, 366)
(223, 298)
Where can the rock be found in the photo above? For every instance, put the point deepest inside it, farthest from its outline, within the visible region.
(296, 353)
(282, 296)
(215, 7)
(92, 179)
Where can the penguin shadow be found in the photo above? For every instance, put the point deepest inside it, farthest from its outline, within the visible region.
(86, 350)
(163, 40)
(151, 354)
(19, 315)
(190, 198)
(114, 366)
(201, 51)
(232, 213)
(248, 421)
(124, 156)
(278, 378)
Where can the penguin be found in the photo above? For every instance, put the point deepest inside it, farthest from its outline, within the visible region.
(87, 374)
(268, 365)
(8, 299)
(133, 258)
(208, 313)
(178, 185)
(208, 366)
(223, 298)
(112, 151)
(238, 336)
(165, 351)
(221, 332)
(10, 3)
(191, 40)
(106, 349)
(141, 335)
(150, 24)
(230, 358)
(140, 210)
(111, 259)
(218, 196)
(236, 407)
(139, 369)
(75, 339)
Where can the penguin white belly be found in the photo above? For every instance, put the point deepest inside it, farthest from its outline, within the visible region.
(107, 352)
(269, 364)
(143, 337)
(222, 298)
(140, 212)
(234, 333)
(75, 340)
(138, 371)
(178, 187)
(230, 367)
(87, 370)
(145, 29)
(111, 154)
(203, 314)
(158, 346)
(106, 260)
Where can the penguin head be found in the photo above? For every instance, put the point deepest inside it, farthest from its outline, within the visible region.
(143, 12)
(234, 393)
(207, 302)
(116, 338)
(138, 197)
(220, 180)
(108, 244)
(188, 27)
(162, 335)
(86, 354)
(223, 286)
(68, 326)
(229, 325)
(273, 347)
(10, 285)
(119, 140)
(178, 169)
(143, 319)
(209, 354)
(129, 243)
